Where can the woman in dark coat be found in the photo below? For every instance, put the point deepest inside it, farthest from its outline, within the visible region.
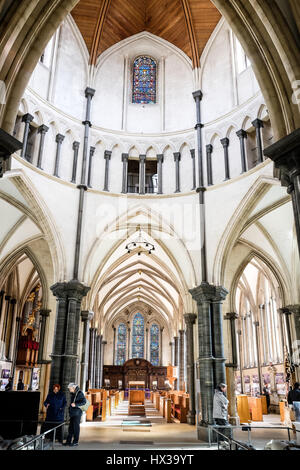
(55, 404)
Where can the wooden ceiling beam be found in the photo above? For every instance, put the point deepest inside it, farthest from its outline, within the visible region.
(98, 31)
(191, 33)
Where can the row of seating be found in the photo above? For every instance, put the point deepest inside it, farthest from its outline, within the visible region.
(172, 405)
(102, 402)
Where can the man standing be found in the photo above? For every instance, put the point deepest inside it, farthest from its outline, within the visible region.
(77, 399)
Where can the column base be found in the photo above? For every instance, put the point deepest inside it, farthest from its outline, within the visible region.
(191, 419)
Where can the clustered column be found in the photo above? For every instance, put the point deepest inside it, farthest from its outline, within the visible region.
(86, 318)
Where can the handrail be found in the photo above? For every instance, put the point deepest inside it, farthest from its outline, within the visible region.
(41, 437)
(229, 439)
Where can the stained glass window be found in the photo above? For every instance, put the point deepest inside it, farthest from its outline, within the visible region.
(144, 81)
(121, 345)
(154, 345)
(138, 336)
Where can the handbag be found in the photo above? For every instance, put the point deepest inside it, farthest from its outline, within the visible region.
(84, 407)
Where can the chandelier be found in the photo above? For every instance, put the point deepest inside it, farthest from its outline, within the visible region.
(145, 246)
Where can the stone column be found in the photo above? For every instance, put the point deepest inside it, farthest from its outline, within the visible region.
(10, 342)
(257, 343)
(41, 130)
(92, 151)
(107, 157)
(91, 357)
(125, 173)
(285, 154)
(142, 173)
(27, 119)
(8, 145)
(98, 360)
(231, 367)
(4, 327)
(211, 357)
(171, 344)
(194, 169)
(160, 160)
(147, 345)
(86, 318)
(103, 344)
(181, 359)
(225, 143)
(59, 140)
(190, 320)
(258, 124)
(286, 313)
(114, 346)
(209, 151)
(242, 135)
(69, 296)
(44, 313)
(177, 158)
(75, 160)
(295, 309)
(176, 360)
(129, 339)
(161, 347)
(198, 95)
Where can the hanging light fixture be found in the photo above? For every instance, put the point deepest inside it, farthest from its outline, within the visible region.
(140, 243)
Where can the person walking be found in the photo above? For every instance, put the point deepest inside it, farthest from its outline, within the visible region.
(9, 385)
(220, 409)
(55, 404)
(266, 393)
(77, 399)
(20, 385)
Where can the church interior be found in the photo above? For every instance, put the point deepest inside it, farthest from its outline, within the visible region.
(150, 213)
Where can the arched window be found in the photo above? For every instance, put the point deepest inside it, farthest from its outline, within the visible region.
(154, 345)
(138, 336)
(121, 345)
(144, 81)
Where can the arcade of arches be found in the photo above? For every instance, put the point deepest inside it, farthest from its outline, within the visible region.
(149, 197)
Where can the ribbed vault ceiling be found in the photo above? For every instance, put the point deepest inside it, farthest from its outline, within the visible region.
(188, 24)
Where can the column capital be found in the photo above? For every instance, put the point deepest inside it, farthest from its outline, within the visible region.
(125, 157)
(44, 312)
(43, 129)
(160, 158)
(190, 318)
(231, 316)
(258, 123)
(197, 95)
(170, 343)
(142, 158)
(59, 138)
(284, 311)
(13, 301)
(87, 123)
(87, 315)
(225, 142)
(104, 343)
(74, 289)
(107, 154)
(7, 297)
(92, 151)
(294, 309)
(242, 134)
(177, 156)
(208, 293)
(285, 153)
(76, 145)
(27, 118)
(8, 146)
(209, 148)
(89, 92)
(193, 153)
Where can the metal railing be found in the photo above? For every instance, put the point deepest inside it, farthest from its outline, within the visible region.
(36, 442)
(234, 444)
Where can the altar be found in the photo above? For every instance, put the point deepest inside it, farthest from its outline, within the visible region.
(136, 393)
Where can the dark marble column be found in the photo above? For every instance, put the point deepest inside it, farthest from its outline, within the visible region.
(194, 169)
(8, 145)
(45, 314)
(257, 344)
(161, 347)
(239, 333)
(211, 355)
(142, 173)
(7, 299)
(75, 160)
(198, 95)
(129, 339)
(258, 124)
(59, 140)
(171, 344)
(181, 359)
(91, 357)
(125, 173)
(103, 344)
(160, 160)
(190, 320)
(69, 296)
(209, 151)
(92, 151)
(177, 158)
(286, 313)
(43, 131)
(12, 315)
(225, 143)
(114, 346)
(242, 135)
(27, 119)
(295, 309)
(86, 318)
(285, 154)
(98, 360)
(176, 360)
(232, 317)
(147, 345)
(107, 157)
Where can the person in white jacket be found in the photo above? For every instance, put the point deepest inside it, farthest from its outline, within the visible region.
(220, 408)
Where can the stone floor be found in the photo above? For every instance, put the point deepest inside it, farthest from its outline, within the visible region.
(152, 432)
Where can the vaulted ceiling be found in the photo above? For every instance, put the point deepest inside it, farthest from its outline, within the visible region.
(188, 24)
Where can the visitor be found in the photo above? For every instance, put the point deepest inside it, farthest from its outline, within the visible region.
(220, 410)
(77, 399)
(294, 400)
(55, 404)
(266, 393)
(20, 385)
(9, 385)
